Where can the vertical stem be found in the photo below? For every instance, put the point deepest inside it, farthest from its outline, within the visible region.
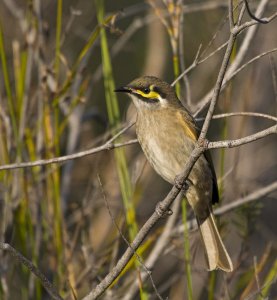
(58, 36)
(7, 84)
(176, 70)
(211, 285)
(114, 118)
(187, 250)
(268, 282)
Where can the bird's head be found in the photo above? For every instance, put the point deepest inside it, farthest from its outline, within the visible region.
(149, 92)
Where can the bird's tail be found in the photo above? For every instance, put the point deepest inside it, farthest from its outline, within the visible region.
(216, 253)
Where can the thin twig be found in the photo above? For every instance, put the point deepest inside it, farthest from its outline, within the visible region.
(254, 196)
(158, 249)
(239, 57)
(247, 40)
(232, 74)
(147, 271)
(239, 114)
(253, 22)
(154, 218)
(256, 274)
(259, 193)
(192, 66)
(179, 182)
(107, 146)
(243, 141)
(274, 76)
(205, 101)
(252, 15)
(220, 78)
(23, 260)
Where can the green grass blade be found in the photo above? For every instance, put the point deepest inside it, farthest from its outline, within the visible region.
(58, 36)
(187, 250)
(7, 83)
(114, 119)
(269, 281)
(176, 70)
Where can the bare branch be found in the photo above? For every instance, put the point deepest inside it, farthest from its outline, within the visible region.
(218, 85)
(274, 76)
(159, 247)
(23, 260)
(147, 272)
(179, 181)
(247, 199)
(192, 66)
(154, 218)
(246, 41)
(107, 146)
(263, 21)
(245, 140)
(254, 196)
(253, 22)
(239, 57)
(242, 113)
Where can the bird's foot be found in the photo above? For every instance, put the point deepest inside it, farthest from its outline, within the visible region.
(161, 211)
(178, 182)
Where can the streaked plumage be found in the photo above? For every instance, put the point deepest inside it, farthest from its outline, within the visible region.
(167, 134)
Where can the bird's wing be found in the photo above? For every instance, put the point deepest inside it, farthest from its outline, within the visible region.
(190, 123)
(208, 157)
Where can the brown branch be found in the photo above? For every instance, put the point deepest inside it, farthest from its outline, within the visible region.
(61, 159)
(274, 76)
(109, 145)
(154, 218)
(239, 56)
(247, 199)
(252, 15)
(239, 114)
(196, 62)
(230, 75)
(159, 247)
(243, 141)
(23, 260)
(147, 271)
(180, 180)
(254, 196)
(220, 77)
(254, 22)
(162, 209)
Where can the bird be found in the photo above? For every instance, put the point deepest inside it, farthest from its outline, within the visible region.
(167, 133)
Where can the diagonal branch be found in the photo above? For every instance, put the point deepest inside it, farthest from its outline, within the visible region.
(23, 260)
(180, 181)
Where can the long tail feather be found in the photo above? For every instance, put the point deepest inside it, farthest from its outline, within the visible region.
(216, 253)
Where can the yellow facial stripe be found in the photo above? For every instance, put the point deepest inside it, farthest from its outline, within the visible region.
(151, 95)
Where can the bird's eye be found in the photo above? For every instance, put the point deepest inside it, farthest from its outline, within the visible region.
(146, 91)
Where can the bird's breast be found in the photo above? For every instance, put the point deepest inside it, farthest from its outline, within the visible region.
(166, 147)
(167, 144)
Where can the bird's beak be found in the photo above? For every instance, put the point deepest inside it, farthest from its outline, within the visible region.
(124, 89)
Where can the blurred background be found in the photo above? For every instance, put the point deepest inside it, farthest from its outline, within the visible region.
(57, 74)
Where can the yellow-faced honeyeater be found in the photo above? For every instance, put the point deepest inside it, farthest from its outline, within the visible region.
(167, 134)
